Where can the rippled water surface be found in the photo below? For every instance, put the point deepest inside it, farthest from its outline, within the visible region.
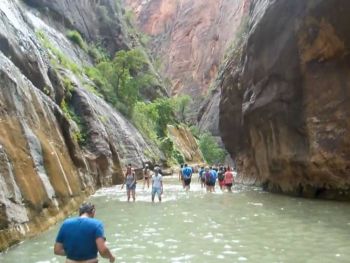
(247, 225)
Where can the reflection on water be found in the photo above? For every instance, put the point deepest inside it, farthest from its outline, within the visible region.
(247, 225)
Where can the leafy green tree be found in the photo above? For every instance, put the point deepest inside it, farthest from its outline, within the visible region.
(145, 116)
(167, 147)
(157, 115)
(181, 104)
(165, 110)
(211, 151)
(127, 73)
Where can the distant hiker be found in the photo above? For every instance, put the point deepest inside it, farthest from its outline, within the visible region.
(130, 182)
(146, 176)
(229, 179)
(80, 238)
(214, 176)
(201, 177)
(187, 175)
(207, 179)
(157, 184)
(181, 177)
(210, 179)
(221, 177)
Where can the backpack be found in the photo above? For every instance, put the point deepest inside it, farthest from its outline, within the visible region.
(187, 172)
(212, 177)
(207, 176)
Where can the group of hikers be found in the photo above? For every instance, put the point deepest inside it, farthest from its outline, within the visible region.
(207, 176)
(81, 238)
(130, 180)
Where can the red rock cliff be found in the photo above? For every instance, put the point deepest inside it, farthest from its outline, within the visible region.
(189, 37)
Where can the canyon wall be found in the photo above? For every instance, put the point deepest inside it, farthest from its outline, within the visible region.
(186, 144)
(189, 39)
(59, 140)
(284, 111)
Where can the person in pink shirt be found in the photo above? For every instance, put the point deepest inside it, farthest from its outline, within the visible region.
(228, 180)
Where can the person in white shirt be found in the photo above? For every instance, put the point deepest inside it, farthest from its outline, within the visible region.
(157, 184)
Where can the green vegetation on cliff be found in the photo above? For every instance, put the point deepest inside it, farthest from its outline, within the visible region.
(75, 37)
(120, 81)
(152, 119)
(212, 152)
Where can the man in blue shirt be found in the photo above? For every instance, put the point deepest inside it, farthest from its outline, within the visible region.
(80, 238)
(187, 175)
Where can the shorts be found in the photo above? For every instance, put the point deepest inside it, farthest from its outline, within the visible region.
(83, 261)
(221, 183)
(210, 183)
(156, 190)
(131, 187)
(203, 180)
(228, 185)
(187, 181)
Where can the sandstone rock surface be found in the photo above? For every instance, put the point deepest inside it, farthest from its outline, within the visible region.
(44, 172)
(189, 39)
(186, 143)
(284, 111)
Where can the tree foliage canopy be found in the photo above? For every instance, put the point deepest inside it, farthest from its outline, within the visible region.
(212, 152)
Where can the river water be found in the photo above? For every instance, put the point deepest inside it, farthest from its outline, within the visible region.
(248, 225)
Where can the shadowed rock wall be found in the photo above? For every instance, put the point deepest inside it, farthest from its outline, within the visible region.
(98, 21)
(283, 111)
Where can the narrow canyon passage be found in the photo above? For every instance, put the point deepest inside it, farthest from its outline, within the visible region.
(248, 225)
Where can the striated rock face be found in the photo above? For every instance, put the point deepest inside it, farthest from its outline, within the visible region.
(284, 114)
(44, 172)
(186, 143)
(189, 38)
(37, 175)
(98, 21)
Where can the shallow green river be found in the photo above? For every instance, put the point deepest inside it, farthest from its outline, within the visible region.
(247, 225)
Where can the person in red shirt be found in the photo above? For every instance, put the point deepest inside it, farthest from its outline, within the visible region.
(228, 180)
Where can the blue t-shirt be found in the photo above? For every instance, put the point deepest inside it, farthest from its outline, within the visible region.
(213, 175)
(187, 172)
(78, 236)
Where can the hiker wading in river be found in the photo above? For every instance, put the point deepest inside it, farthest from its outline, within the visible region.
(157, 184)
(80, 238)
(146, 176)
(130, 182)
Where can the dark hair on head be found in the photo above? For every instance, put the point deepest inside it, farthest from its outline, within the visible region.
(185, 164)
(182, 165)
(86, 208)
(210, 167)
(129, 164)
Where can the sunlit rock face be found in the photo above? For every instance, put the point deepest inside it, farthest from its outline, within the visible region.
(284, 111)
(44, 172)
(38, 177)
(185, 142)
(189, 39)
